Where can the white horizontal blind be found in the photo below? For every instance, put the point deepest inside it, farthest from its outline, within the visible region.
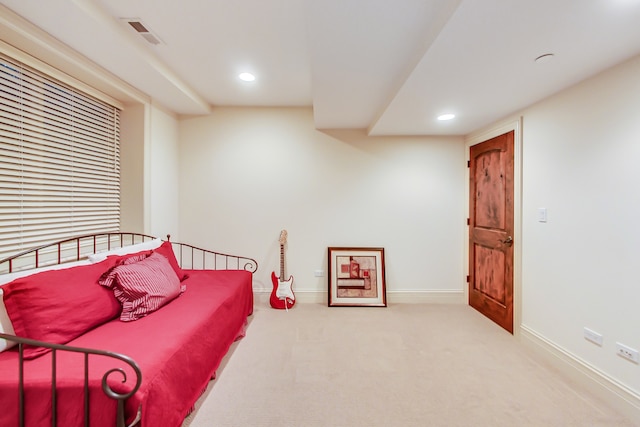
(59, 160)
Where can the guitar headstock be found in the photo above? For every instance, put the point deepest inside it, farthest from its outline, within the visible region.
(283, 237)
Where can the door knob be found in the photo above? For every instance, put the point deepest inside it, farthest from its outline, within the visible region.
(508, 241)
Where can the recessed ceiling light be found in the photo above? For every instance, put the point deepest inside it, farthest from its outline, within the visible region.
(446, 117)
(247, 77)
(544, 58)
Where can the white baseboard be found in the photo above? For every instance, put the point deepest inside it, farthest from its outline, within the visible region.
(393, 297)
(305, 297)
(426, 297)
(619, 396)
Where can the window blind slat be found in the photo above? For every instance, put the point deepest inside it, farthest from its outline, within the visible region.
(59, 160)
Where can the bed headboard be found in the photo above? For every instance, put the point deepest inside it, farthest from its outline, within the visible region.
(193, 258)
(69, 250)
(78, 248)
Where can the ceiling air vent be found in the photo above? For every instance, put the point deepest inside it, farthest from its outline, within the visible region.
(143, 30)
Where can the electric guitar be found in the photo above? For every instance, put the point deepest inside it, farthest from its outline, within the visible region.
(282, 296)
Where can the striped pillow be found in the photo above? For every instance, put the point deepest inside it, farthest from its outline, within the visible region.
(144, 286)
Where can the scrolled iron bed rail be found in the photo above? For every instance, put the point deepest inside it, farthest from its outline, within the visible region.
(77, 248)
(71, 249)
(87, 352)
(195, 258)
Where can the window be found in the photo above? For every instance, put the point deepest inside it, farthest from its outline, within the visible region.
(59, 160)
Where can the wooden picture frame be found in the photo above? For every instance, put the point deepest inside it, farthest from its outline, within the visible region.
(356, 277)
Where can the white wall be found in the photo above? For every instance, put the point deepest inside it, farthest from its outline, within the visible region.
(149, 170)
(132, 130)
(163, 176)
(247, 173)
(581, 160)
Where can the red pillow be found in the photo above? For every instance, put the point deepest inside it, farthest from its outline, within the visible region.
(144, 286)
(166, 249)
(107, 277)
(59, 305)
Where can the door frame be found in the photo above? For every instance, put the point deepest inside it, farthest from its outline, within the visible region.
(514, 125)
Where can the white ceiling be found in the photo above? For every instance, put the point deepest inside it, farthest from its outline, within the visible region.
(388, 66)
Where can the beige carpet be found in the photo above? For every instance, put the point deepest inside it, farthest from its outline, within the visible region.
(403, 365)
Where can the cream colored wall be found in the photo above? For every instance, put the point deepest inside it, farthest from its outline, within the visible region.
(149, 170)
(579, 269)
(132, 136)
(163, 175)
(247, 173)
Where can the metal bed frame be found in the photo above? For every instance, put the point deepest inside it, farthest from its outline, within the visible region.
(119, 397)
(75, 249)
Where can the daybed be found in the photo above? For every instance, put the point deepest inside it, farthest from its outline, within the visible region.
(138, 350)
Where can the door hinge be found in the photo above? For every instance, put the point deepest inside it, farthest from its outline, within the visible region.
(468, 278)
(468, 163)
(468, 221)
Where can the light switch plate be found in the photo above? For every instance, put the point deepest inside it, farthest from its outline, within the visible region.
(593, 336)
(542, 214)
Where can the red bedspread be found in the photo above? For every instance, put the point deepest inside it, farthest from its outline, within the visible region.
(177, 348)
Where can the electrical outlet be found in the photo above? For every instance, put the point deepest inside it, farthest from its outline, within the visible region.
(318, 273)
(627, 353)
(593, 336)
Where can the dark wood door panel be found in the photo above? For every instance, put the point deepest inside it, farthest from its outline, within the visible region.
(489, 274)
(489, 179)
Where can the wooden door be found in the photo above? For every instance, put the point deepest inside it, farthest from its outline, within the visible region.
(491, 229)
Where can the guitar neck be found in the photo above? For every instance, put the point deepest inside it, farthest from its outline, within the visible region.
(281, 262)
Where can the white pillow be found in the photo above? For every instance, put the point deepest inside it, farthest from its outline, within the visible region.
(132, 249)
(5, 323)
(5, 326)
(10, 277)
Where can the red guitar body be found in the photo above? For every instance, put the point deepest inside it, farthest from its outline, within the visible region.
(285, 288)
(282, 296)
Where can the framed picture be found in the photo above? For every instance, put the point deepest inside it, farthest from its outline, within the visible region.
(356, 277)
